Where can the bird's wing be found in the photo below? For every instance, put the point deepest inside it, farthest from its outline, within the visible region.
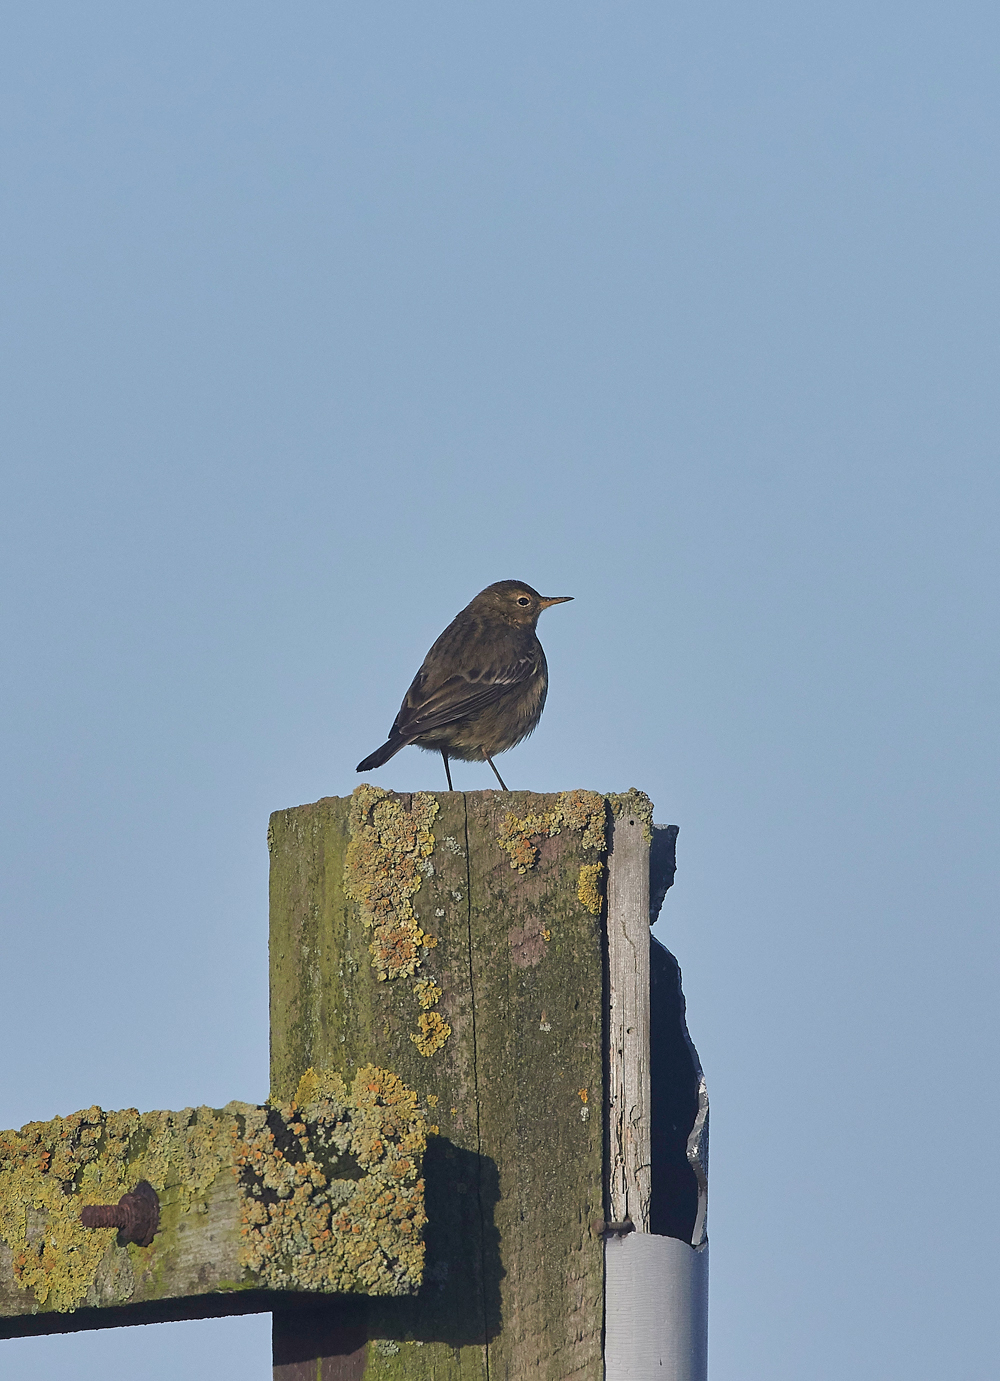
(461, 695)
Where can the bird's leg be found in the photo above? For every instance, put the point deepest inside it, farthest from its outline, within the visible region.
(496, 774)
(447, 769)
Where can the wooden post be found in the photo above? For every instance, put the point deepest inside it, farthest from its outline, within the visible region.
(656, 1255)
(458, 939)
(484, 1151)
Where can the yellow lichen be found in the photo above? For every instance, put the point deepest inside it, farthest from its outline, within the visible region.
(584, 810)
(333, 1198)
(575, 810)
(588, 888)
(303, 1225)
(515, 834)
(434, 1031)
(428, 993)
(50, 1170)
(431, 1036)
(389, 851)
(37, 1167)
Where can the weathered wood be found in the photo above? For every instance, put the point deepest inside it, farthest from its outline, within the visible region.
(330, 1008)
(537, 965)
(630, 1155)
(466, 943)
(50, 1264)
(320, 1194)
(656, 1280)
(508, 908)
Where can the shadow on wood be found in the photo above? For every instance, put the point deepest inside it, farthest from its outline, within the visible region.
(458, 1304)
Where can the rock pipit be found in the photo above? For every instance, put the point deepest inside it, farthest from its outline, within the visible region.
(482, 686)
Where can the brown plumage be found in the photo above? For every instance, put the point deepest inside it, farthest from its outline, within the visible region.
(482, 686)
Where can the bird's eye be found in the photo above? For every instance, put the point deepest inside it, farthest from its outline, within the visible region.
(523, 600)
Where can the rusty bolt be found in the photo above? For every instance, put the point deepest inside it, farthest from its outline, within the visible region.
(136, 1215)
(601, 1229)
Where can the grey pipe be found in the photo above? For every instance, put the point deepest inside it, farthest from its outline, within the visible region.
(655, 1309)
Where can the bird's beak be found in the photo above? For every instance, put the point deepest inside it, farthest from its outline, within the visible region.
(559, 599)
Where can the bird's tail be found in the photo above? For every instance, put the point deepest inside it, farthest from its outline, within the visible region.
(388, 750)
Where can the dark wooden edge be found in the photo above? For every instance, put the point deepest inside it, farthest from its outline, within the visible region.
(213, 1306)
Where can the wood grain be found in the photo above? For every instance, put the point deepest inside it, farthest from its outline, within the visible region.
(629, 1169)
(513, 1277)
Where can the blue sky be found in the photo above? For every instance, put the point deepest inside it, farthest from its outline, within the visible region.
(316, 320)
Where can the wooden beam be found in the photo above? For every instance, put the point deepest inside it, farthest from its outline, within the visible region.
(471, 1096)
(320, 1193)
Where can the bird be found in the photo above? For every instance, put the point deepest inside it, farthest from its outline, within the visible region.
(482, 686)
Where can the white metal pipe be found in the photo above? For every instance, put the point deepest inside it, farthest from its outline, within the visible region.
(655, 1309)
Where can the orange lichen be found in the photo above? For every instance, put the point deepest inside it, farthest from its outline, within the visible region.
(584, 810)
(332, 1195)
(332, 1189)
